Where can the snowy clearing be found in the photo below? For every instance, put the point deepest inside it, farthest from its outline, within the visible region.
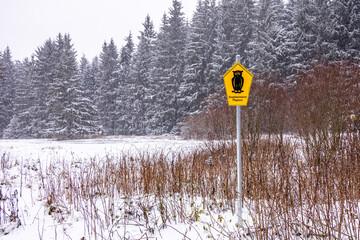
(168, 188)
(89, 148)
(24, 193)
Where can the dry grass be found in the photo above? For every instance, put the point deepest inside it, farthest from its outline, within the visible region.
(286, 194)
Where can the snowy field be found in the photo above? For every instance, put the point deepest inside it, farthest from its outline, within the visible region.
(27, 164)
(89, 148)
(169, 188)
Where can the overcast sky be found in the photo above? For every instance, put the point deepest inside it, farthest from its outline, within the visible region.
(26, 24)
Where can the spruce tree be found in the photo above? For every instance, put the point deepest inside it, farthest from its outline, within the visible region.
(157, 79)
(58, 95)
(325, 28)
(168, 70)
(45, 62)
(108, 84)
(310, 36)
(140, 74)
(347, 14)
(355, 30)
(247, 28)
(269, 38)
(289, 48)
(7, 93)
(198, 54)
(3, 83)
(126, 88)
(88, 81)
(70, 111)
(20, 124)
(342, 9)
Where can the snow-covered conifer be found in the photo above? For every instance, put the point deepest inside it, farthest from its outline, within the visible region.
(265, 49)
(140, 75)
(70, 111)
(198, 55)
(7, 93)
(347, 13)
(108, 84)
(167, 71)
(20, 124)
(310, 36)
(126, 86)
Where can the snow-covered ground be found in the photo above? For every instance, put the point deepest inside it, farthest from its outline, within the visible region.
(21, 181)
(87, 189)
(89, 148)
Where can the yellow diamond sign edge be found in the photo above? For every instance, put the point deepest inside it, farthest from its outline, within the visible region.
(237, 84)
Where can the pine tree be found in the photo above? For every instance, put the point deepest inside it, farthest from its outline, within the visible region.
(311, 35)
(141, 76)
(108, 84)
(88, 81)
(89, 73)
(158, 73)
(45, 62)
(347, 13)
(168, 71)
(355, 30)
(126, 88)
(289, 46)
(325, 28)
(20, 124)
(198, 54)
(266, 47)
(178, 30)
(7, 93)
(58, 94)
(247, 28)
(70, 111)
(3, 84)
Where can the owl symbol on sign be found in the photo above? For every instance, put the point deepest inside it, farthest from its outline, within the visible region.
(237, 82)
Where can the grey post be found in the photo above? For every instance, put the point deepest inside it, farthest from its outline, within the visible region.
(239, 167)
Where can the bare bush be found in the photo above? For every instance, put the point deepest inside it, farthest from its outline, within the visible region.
(215, 121)
(324, 100)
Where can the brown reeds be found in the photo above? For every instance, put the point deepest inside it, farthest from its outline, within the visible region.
(286, 195)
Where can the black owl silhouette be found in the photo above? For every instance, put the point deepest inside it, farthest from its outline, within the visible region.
(237, 82)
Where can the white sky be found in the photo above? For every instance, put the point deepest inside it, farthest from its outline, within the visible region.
(27, 24)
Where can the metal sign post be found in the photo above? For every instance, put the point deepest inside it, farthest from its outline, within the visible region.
(238, 158)
(237, 82)
(239, 166)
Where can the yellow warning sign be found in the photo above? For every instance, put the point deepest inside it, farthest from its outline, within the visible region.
(237, 84)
